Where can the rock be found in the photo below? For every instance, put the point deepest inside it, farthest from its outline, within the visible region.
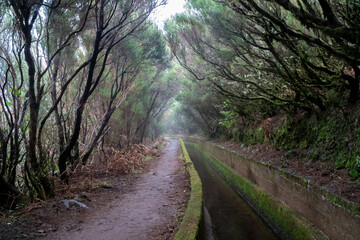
(73, 202)
(66, 203)
(80, 204)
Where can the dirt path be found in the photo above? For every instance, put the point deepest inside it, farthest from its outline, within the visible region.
(148, 210)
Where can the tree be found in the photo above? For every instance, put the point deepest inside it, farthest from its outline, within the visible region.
(262, 52)
(110, 31)
(128, 61)
(13, 106)
(61, 52)
(328, 27)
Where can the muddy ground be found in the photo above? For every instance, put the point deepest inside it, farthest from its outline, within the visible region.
(148, 204)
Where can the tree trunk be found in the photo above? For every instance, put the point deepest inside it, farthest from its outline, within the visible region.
(40, 182)
(8, 193)
(354, 86)
(144, 128)
(66, 153)
(98, 135)
(60, 129)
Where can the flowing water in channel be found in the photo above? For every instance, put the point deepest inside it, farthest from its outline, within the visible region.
(226, 215)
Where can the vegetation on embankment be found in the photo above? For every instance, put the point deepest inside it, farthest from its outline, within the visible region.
(189, 226)
(286, 222)
(331, 137)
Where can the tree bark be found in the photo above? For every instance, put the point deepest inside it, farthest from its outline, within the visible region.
(8, 193)
(26, 16)
(60, 129)
(65, 154)
(354, 86)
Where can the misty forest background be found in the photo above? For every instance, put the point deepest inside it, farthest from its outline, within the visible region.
(79, 76)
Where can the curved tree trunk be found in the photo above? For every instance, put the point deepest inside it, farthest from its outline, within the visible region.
(8, 193)
(354, 86)
(40, 182)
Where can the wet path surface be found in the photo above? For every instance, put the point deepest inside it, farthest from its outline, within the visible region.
(145, 211)
(227, 213)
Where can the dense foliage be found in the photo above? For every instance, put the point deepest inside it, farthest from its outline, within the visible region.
(286, 71)
(78, 75)
(66, 69)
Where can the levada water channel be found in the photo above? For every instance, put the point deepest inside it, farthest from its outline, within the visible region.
(226, 215)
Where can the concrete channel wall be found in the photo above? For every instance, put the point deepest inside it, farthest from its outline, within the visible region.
(337, 218)
(189, 227)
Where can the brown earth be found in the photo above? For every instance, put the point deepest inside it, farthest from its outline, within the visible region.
(148, 204)
(322, 174)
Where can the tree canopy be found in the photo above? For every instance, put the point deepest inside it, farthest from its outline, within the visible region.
(66, 67)
(269, 58)
(78, 75)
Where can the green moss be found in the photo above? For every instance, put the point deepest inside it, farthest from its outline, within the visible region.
(250, 136)
(283, 219)
(189, 226)
(331, 137)
(350, 206)
(282, 173)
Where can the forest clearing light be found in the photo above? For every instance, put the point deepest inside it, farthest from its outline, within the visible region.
(163, 13)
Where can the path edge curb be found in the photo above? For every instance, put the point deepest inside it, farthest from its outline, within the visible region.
(189, 227)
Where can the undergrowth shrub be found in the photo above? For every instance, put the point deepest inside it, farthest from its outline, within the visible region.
(333, 137)
(329, 137)
(124, 161)
(249, 136)
(292, 134)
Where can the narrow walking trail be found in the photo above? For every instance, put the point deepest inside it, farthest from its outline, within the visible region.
(147, 211)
